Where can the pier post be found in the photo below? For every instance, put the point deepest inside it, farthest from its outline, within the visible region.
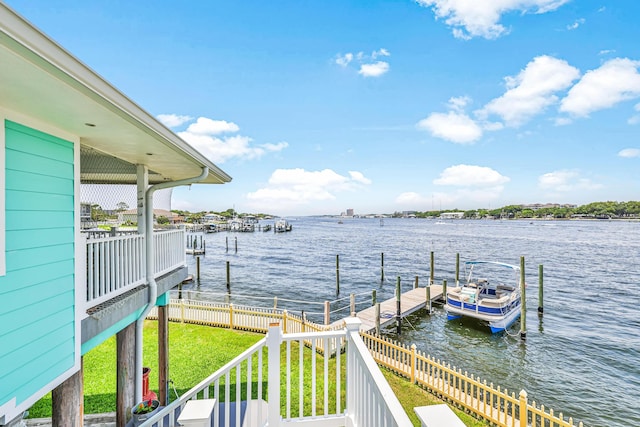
(228, 278)
(198, 269)
(337, 274)
(428, 301)
(523, 302)
(431, 272)
(398, 308)
(374, 297)
(540, 290)
(352, 304)
(457, 270)
(226, 240)
(444, 290)
(415, 284)
(275, 302)
(327, 312)
(236, 239)
(382, 267)
(378, 319)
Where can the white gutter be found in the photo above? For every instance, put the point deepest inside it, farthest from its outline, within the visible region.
(150, 256)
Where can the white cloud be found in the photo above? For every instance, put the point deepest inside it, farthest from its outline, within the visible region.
(289, 188)
(564, 181)
(575, 24)
(452, 126)
(374, 70)
(481, 18)
(344, 60)
(471, 176)
(410, 199)
(203, 135)
(615, 81)
(173, 120)
(206, 126)
(366, 64)
(532, 90)
(459, 103)
(606, 51)
(562, 121)
(629, 152)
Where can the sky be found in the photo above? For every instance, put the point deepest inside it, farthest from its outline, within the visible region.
(314, 107)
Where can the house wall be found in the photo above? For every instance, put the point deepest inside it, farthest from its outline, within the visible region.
(39, 323)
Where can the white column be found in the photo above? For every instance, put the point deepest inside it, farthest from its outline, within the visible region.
(274, 339)
(142, 173)
(352, 325)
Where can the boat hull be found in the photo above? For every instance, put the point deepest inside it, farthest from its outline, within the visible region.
(498, 318)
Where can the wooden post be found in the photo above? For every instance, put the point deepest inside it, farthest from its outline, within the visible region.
(374, 297)
(197, 274)
(327, 312)
(457, 270)
(523, 302)
(67, 405)
(337, 274)
(428, 302)
(228, 278)
(412, 376)
(163, 354)
(444, 290)
(378, 319)
(382, 267)
(415, 284)
(275, 302)
(352, 304)
(524, 418)
(126, 367)
(236, 240)
(230, 316)
(226, 241)
(540, 290)
(431, 267)
(398, 308)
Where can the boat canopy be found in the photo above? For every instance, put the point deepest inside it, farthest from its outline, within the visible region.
(500, 264)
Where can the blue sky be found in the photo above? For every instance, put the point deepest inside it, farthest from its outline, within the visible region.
(380, 106)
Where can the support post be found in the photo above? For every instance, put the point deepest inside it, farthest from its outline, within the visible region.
(337, 274)
(431, 267)
(398, 307)
(457, 270)
(327, 312)
(163, 355)
(236, 239)
(198, 269)
(67, 404)
(228, 278)
(275, 302)
(378, 319)
(274, 339)
(444, 290)
(524, 418)
(415, 283)
(352, 304)
(523, 303)
(126, 374)
(374, 297)
(226, 241)
(540, 290)
(382, 267)
(428, 301)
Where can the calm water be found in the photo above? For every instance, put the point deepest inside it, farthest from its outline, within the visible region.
(582, 358)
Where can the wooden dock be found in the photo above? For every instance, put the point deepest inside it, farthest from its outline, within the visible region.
(410, 302)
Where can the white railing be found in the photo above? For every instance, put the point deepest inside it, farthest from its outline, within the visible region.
(312, 391)
(116, 264)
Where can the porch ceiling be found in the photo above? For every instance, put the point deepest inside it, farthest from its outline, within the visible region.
(39, 79)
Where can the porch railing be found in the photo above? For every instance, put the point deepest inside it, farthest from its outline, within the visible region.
(117, 264)
(315, 390)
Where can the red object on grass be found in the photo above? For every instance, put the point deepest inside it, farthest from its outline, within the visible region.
(146, 393)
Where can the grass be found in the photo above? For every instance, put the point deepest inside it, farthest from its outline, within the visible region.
(197, 351)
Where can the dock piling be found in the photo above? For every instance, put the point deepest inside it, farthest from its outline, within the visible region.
(236, 245)
(198, 269)
(374, 297)
(228, 277)
(327, 313)
(444, 290)
(415, 283)
(381, 267)
(457, 270)
(398, 309)
(540, 290)
(352, 304)
(431, 272)
(523, 303)
(337, 274)
(428, 301)
(226, 240)
(378, 319)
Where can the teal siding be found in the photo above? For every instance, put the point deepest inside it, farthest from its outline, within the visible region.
(37, 314)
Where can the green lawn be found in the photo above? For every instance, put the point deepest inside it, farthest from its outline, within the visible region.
(195, 352)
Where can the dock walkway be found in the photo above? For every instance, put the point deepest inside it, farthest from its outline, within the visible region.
(410, 302)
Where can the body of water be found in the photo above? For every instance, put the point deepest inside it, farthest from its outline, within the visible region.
(582, 358)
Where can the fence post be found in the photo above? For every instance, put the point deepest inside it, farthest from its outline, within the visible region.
(274, 339)
(327, 313)
(352, 325)
(181, 310)
(413, 363)
(230, 316)
(284, 321)
(523, 408)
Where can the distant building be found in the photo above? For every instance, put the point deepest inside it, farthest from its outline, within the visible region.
(349, 212)
(452, 215)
